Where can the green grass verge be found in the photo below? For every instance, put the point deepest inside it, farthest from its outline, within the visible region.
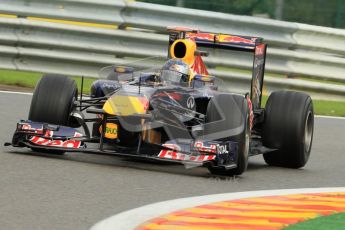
(334, 222)
(321, 107)
(249, 73)
(28, 79)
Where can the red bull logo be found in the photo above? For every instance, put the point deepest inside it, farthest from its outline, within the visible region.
(199, 67)
(234, 39)
(74, 144)
(201, 36)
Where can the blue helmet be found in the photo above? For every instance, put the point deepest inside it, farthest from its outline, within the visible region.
(175, 71)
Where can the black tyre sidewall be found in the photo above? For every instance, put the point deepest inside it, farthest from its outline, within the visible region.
(284, 128)
(233, 118)
(53, 99)
(52, 102)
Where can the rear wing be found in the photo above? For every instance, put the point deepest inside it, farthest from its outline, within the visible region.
(254, 45)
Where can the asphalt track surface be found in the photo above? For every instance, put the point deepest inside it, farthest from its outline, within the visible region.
(76, 190)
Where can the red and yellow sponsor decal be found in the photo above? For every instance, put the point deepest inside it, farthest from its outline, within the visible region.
(234, 39)
(261, 213)
(223, 38)
(201, 36)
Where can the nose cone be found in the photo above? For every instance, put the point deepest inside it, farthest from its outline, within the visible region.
(125, 105)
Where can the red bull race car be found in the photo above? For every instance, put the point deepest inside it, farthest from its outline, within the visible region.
(176, 112)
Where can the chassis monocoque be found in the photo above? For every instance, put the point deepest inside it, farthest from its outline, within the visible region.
(135, 113)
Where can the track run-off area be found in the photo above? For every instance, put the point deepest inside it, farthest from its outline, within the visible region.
(75, 191)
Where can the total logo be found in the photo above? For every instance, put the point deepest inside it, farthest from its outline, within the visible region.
(223, 149)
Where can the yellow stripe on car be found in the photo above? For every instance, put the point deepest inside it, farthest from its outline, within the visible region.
(124, 105)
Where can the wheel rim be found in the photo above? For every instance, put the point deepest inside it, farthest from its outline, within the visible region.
(308, 132)
(247, 140)
(246, 147)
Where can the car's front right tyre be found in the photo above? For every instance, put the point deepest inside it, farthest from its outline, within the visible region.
(227, 113)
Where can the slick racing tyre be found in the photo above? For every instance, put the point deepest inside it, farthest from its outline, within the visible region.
(53, 101)
(288, 127)
(231, 114)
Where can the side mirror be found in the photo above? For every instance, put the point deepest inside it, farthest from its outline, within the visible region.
(121, 73)
(201, 53)
(200, 81)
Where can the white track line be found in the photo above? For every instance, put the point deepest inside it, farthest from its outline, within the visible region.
(330, 117)
(14, 92)
(131, 219)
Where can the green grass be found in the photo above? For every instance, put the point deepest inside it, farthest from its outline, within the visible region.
(334, 222)
(28, 79)
(327, 81)
(279, 75)
(329, 108)
(24, 79)
(247, 71)
(322, 107)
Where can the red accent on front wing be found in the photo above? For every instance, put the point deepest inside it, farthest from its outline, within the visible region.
(73, 144)
(170, 154)
(27, 128)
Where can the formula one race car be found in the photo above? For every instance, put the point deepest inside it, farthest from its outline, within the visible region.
(174, 113)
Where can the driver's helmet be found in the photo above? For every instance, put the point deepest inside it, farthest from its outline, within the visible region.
(175, 71)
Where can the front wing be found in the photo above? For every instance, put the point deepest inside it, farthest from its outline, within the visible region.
(43, 136)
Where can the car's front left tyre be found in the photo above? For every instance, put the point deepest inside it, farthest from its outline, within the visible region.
(52, 102)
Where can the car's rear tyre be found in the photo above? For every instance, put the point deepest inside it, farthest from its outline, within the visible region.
(235, 112)
(52, 102)
(288, 127)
